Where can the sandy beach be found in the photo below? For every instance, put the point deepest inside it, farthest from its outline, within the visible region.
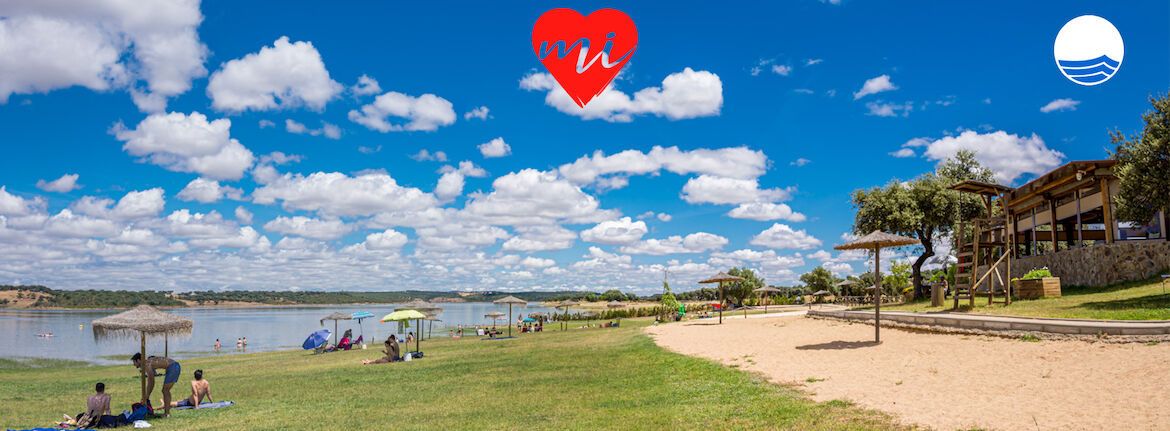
(945, 382)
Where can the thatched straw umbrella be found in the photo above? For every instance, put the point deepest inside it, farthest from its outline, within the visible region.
(431, 326)
(846, 283)
(510, 300)
(615, 304)
(566, 304)
(876, 241)
(761, 291)
(495, 315)
(335, 317)
(588, 315)
(139, 322)
(721, 278)
(422, 307)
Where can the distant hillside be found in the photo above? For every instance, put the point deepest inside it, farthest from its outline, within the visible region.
(44, 297)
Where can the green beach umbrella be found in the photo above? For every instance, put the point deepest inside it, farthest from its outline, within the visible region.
(421, 306)
(404, 315)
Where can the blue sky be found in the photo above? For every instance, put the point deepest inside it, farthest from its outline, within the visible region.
(165, 198)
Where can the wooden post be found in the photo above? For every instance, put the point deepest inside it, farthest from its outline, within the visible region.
(877, 294)
(974, 267)
(166, 345)
(142, 368)
(1009, 222)
(1080, 231)
(1035, 250)
(720, 302)
(1107, 209)
(1052, 223)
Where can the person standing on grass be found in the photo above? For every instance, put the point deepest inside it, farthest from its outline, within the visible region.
(200, 393)
(149, 365)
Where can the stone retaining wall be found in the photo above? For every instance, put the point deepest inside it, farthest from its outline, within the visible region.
(1102, 264)
(1012, 325)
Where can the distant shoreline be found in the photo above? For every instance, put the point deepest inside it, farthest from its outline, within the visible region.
(233, 305)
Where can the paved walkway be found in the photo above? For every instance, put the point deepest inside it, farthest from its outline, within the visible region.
(988, 322)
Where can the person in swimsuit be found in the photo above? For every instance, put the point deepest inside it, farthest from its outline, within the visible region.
(217, 344)
(391, 353)
(172, 375)
(200, 393)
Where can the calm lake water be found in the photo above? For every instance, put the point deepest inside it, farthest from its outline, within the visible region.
(267, 328)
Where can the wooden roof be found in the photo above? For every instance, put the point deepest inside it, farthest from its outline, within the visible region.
(981, 188)
(1059, 176)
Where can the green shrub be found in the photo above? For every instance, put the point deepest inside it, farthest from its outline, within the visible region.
(1038, 273)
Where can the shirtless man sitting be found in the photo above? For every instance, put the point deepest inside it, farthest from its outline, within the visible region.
(172, 375)
(200, 393)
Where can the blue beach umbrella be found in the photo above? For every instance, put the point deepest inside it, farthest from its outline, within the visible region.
(316, 339)
(358, 316)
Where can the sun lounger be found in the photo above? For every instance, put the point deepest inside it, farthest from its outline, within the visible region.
(214, 405)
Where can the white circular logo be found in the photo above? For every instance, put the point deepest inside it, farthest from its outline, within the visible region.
(1088, 50)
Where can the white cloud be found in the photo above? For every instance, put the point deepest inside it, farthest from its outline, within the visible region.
(264, 124)
(903, 153)
(683, 95)
(540, 238)
(781, 236)
(386, 240)
(1008, 155)
(764, 211)
(803, 91)
(329, 130)
(821, 255)
(284, 75)
(101, 45)
(187, 143)
(623, 231)
(479, 112)
(134, 205)
(694, 243)
(338, 194)
(207, 191)
(734, 162)
(781, 69)
(800, 162)
(450, 185)
(15, 205)
(467, 168)
(243, 215)
(874, 86)
(424, 113)
(535, 197)
(536, 262)
(308, 227)
(495, 148)
(68, 224)
(208, 230)
(664, 217)
(1060, 105)
(720, 190)
(457, 235)
(839, 269)
(883, 109)
(65, 184)
(813, 61)
(424, 155)
(366, 86)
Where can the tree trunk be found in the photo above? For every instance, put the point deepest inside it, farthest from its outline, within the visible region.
(916, 275)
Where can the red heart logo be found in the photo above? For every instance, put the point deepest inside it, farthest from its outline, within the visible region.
(584, 53)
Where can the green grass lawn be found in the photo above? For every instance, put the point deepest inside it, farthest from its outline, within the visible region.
(1134, 300)
(614, 378)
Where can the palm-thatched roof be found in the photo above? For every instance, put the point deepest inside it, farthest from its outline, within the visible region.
(142, 319)
(722, 277)
(495, 314)
(615, 304)
(877, 239)
(336, 316)
(510, 300)
(821, 293)
(418, 305)
(847, 283)
(567, 303)
(767, 289)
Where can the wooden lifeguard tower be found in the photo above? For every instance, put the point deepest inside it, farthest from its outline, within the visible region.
(984, 242)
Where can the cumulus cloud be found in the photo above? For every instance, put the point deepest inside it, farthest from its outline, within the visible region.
(11, 204)
(781, 69)
(339, 194)
(721, 190)
(424, 113)
(734, 162)
(683, 95)
(664, 217)
(243, 215)
(623, 231)
(330, 131)
(479, 112)
(781, 236)
(694, 243)
(187, 143)
(284, 75)
(151, 49)
(884, 109)
(65, 184)
(534, 197)
(495, 148)
(903, 153)
(1008, 155)
(385, 240)
(450, 185)
(1060, 105)
(800, 162)
(874, 86)
(423, 155)
(365, 86)
(134, 205)
(765, 211)
(207, 191)
(307, 227)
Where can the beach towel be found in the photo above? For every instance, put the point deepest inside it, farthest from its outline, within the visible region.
(214, 405)
(52, 429)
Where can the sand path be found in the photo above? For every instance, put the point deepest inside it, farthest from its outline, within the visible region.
(942, 381)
